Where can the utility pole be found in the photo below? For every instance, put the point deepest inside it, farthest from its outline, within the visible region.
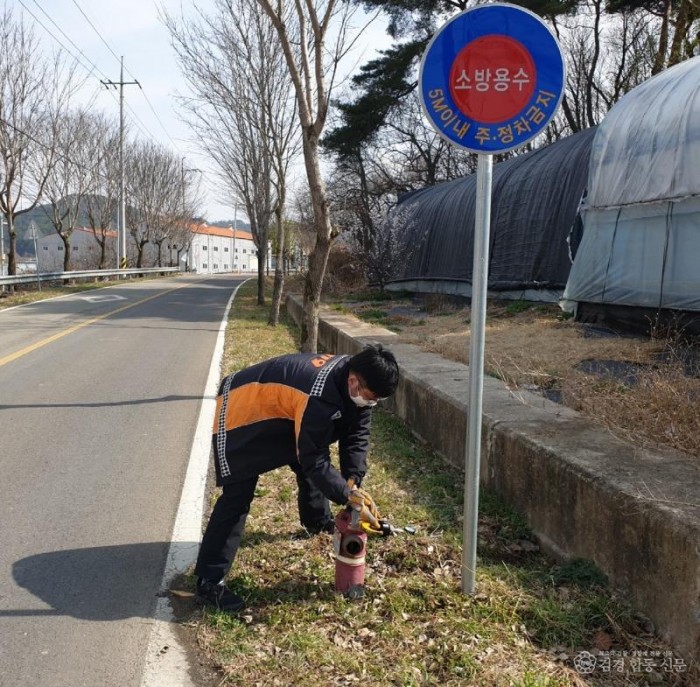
(2, 250)
(121, 226)
(187, 222)
(235, 226)
(184, 211)
(2, 245)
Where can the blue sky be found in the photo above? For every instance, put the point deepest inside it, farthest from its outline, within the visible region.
(132, 28)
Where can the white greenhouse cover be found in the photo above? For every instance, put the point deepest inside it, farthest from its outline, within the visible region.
(641, 237)
(648, 146)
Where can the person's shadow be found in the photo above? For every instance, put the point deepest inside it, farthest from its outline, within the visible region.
(101, 583)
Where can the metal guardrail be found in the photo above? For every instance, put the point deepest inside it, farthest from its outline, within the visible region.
(33, 278)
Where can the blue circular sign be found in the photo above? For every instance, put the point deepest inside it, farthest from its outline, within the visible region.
(492, 78)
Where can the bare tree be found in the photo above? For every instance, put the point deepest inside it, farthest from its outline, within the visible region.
(676, 36)
(180, 241)
(607, 56)
(304, 227)
(304, 34)
(292, 251)
(405, 155)
(284, 143)
(686, 32)
(182, 232)
(71, 176)
(33, 93)
(244, 169)
(359, 193)
(242, 113)
(416, 155)
(101, 204)
(155, 195)
(393, 245)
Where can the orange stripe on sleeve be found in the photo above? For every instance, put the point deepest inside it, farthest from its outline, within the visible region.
(256, 402)
(219, 401)
(297, 423)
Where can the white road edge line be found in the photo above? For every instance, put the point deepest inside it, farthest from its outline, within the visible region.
(166, 660)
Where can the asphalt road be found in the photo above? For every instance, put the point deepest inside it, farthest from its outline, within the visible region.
(97, 414)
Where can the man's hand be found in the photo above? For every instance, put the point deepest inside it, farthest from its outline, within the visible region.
(361, 501)
(368, 500)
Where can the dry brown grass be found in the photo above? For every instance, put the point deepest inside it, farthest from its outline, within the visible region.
(525, 347)
(532, 347)
(661, 408)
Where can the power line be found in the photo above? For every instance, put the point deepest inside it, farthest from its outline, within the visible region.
(53, 149)
(94, 28)
(58, 40)
(148, 101)
(155, 114)
(94, 68)
(93, 97)
(143, 127)
(139, 124)
(68, 38)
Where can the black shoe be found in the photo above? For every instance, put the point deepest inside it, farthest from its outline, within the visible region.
(328, 527)
(219, 596)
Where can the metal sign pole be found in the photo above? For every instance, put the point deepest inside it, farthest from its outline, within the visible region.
(476, 369)
(490, 80)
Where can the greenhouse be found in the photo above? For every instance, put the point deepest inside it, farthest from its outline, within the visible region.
(638, 259)
(534, 227)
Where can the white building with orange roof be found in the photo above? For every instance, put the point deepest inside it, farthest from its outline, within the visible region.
(221, 249)
(85, 251)
(212, 250)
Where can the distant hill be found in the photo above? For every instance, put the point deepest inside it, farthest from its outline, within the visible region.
(41, 216)
(240, 224)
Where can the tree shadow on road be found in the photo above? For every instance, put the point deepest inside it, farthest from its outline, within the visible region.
(99, 583)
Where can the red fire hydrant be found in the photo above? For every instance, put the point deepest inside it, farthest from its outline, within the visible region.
(350, 546)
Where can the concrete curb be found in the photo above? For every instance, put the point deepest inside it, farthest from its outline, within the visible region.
(586, 494)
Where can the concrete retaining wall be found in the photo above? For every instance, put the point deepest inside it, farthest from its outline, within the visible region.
(585, 494)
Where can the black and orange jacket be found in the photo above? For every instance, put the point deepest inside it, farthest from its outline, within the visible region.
(288, 409)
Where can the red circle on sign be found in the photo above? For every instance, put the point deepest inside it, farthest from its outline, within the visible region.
(492, 79)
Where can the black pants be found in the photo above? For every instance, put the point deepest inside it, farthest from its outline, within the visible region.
(225, 528)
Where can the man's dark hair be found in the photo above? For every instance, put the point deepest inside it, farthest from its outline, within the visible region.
(378, 368)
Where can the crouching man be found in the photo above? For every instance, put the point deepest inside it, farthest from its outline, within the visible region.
(287, 411)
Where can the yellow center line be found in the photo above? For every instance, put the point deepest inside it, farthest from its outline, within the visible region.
(59, 335)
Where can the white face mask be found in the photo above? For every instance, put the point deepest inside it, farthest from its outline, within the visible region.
(362, 402)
